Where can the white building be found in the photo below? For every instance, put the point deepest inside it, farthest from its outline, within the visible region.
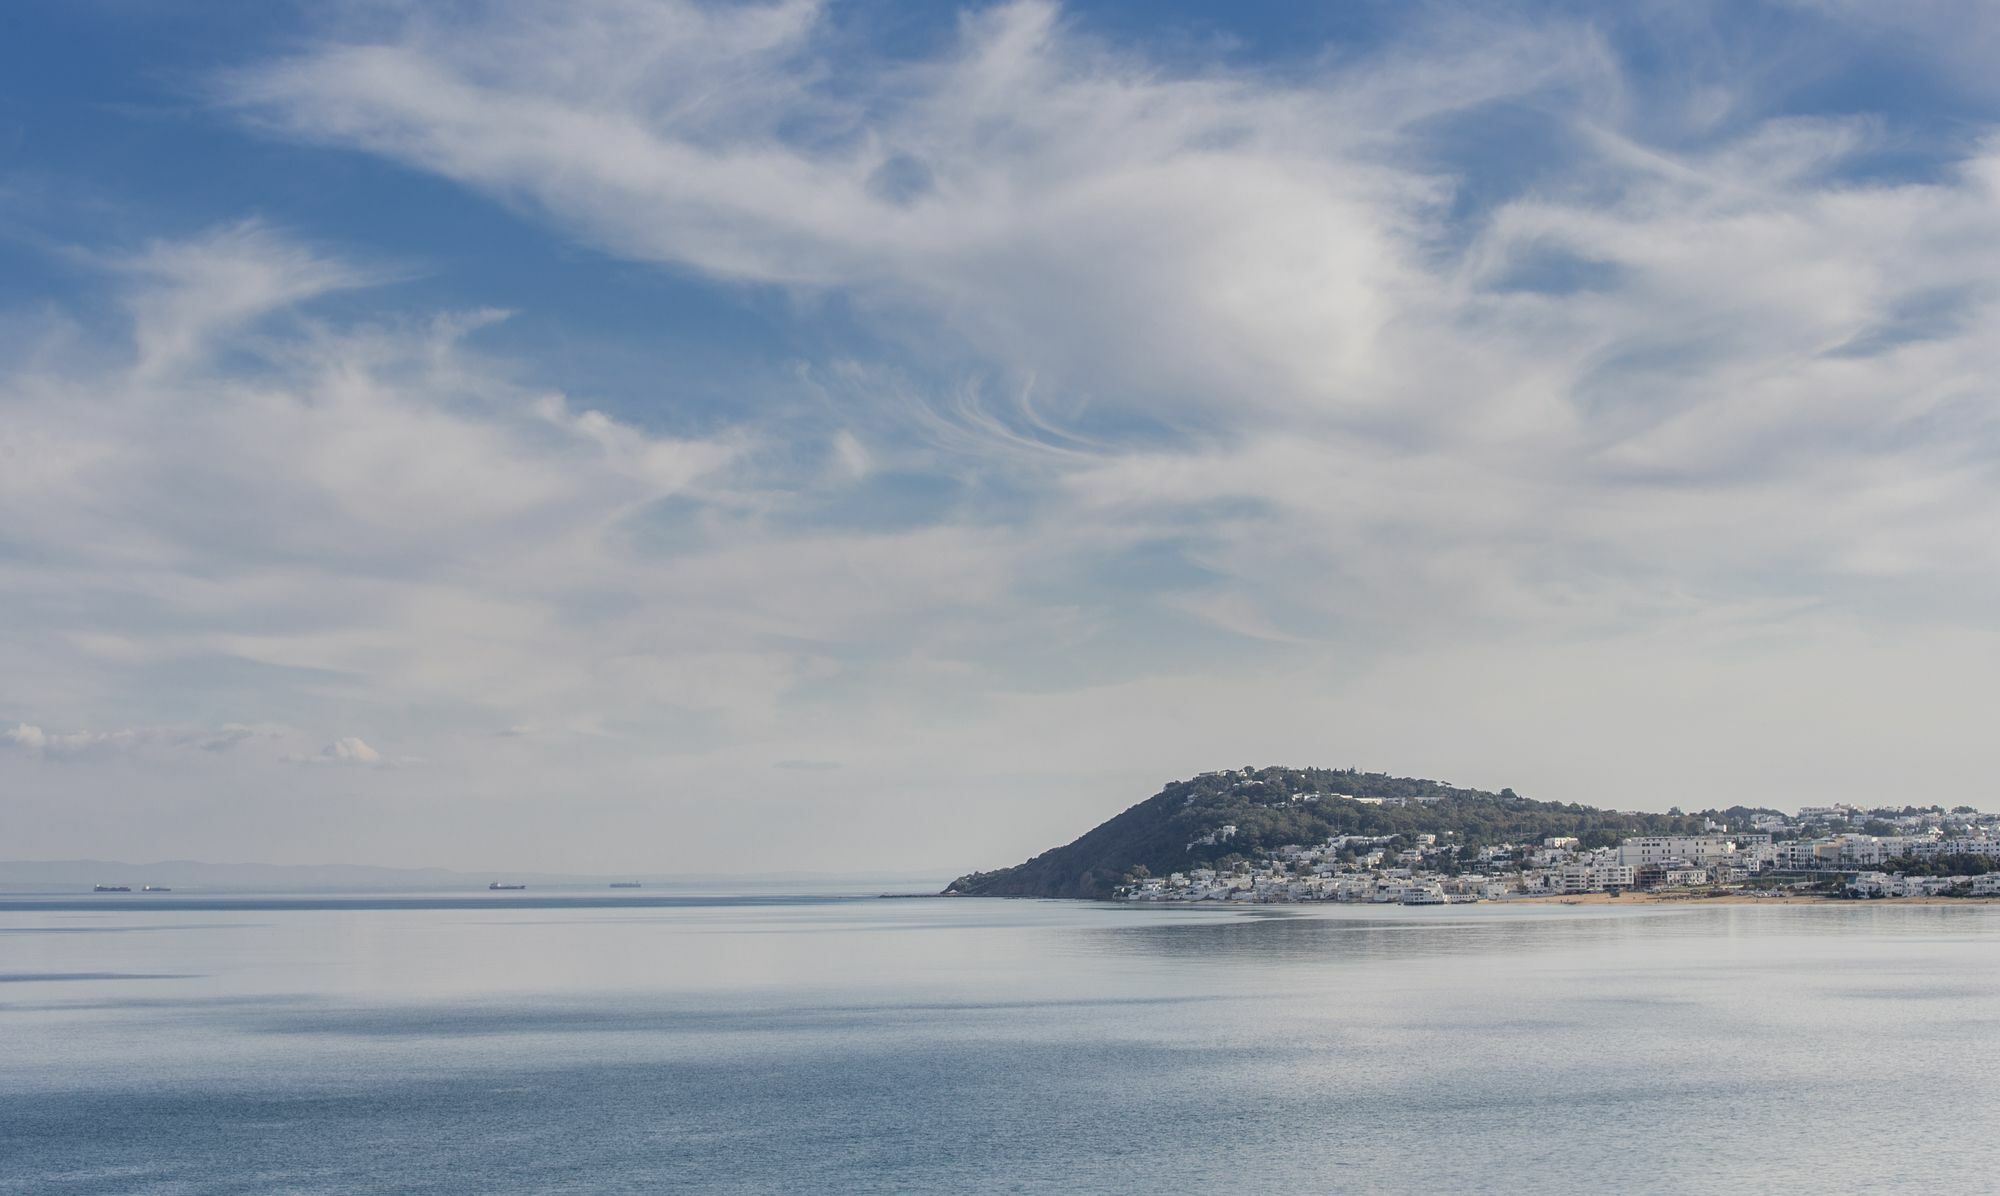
(1221, 834)
(1806, 855)
(1882, 884)
(1756, 857)
(1587, 877)
(1872, 884)
(1865, 850)
(1653, 850)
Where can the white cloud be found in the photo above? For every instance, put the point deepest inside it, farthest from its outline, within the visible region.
(80, 745)
(1266, 424)
(346, 750)
(378, 514)
(27, 738)
(1085, 213)
(186, 292)
(1258, 260)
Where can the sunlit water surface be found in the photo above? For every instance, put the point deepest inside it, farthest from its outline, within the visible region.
(524, 1044)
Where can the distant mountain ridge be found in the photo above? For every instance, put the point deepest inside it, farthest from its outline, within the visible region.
(1186, 825)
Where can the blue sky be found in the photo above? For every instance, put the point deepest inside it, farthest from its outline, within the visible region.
(867, 435)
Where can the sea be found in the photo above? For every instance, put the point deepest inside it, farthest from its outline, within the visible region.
(841, 1042)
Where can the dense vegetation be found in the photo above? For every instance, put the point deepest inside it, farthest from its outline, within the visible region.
(1941, 865)
(1269, 809)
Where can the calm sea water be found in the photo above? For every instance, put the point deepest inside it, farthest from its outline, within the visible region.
(860, 1045)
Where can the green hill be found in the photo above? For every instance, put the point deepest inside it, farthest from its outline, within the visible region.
(1271, 807)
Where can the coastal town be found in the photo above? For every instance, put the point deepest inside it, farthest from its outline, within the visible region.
(1826, 851)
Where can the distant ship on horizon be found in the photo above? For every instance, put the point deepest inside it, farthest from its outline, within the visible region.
(626, 884)
(111, 888)
(497, 887)
(156, 889)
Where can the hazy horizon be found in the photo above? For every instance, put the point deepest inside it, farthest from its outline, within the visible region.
(234, 873)
(857, 437)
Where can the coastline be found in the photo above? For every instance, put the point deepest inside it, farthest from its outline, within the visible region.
(1732, 899)
(1688, 899)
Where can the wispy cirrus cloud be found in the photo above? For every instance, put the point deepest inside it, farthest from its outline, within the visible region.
(1466, 396)
(1280, 275)
(326, 514)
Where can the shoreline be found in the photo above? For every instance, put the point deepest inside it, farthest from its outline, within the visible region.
(1731, 899)
(1604, 899)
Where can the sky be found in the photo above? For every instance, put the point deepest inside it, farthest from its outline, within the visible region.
(759, 437)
